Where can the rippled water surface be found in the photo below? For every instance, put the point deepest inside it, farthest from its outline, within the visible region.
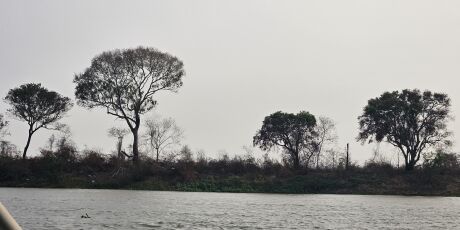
(117, 209)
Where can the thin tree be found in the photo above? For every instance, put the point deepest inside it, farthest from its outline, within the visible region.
(51, 142)
(410, 120)
(163, 134)
(5, 146)
(294, 133)
(119, 133)
(326, 135)
(125, 81)
(37, 106)
(3, 126)
(186, 154)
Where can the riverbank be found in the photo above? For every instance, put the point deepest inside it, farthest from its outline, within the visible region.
(217, 176)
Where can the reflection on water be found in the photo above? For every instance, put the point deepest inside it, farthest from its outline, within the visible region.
(121, 209)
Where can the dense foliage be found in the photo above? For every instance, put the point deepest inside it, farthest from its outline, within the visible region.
(294, 133)
(410, 120)
(124, 82)
(67, 168)
(37, 106)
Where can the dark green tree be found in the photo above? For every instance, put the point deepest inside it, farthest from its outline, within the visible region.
(441, 159)
(294, 133)
(37, 106)
(125, 81)
(410, 120)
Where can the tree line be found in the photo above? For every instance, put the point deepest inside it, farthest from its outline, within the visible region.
(411, 120)
(124, 83)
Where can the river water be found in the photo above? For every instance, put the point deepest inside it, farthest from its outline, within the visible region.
(123, 209)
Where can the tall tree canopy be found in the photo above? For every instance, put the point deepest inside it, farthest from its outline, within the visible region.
(410, 120)
(125, 81)
(294, 133)
(37, 106)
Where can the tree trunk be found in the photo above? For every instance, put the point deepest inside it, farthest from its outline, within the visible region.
(347, 163)
(411, 160)
(317, 159)
(158, 154)
(121, 156)
(296, 161)
(410, 166)
(135, 145)
(27, 145)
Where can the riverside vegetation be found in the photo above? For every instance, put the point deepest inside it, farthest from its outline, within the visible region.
(64, 168)
(124, 83)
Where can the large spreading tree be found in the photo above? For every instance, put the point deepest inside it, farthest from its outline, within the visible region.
(125, 81)
(37, 106)
(293, 133)
(410, 120)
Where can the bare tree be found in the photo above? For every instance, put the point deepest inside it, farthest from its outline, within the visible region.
(163, 134)
(3, 126)
(51, 141)
(119, 133)
(307, 154)
(201, 156)
(332, 157)
(186, 154)
(327, 135)
(125, 81)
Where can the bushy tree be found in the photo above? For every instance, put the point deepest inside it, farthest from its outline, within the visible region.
(125, 81)
(294, 133)
(442, 159)
(410, 120)
(7, 149)
(37, 106)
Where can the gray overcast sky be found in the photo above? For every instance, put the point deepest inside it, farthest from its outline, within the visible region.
(244, 59)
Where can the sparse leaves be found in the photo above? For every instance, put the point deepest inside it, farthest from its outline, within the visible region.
(3, 126)
(117, 132)
(163, 134)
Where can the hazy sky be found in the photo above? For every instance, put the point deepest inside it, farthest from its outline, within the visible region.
(244, 59)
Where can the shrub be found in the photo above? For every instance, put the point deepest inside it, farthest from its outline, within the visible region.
(94, 160)
(442, 160)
